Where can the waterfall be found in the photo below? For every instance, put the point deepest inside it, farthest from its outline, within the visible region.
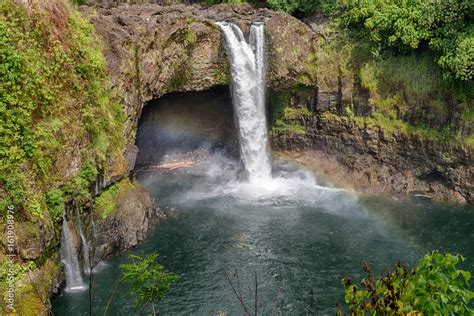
(247, 66)
(69, 258)
(84, 244)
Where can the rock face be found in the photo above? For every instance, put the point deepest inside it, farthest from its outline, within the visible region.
(369, 159)
(153, 50)
(129, 224)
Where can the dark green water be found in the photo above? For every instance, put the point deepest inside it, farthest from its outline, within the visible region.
(297, 238)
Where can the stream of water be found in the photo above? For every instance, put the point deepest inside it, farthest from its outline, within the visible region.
(69, 257)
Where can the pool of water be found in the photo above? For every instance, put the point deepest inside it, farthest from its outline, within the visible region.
(296, 235)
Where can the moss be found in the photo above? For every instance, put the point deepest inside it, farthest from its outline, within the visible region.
(390, 126)
(278, 102)
(295, 113)
(106, 203)
(180, 79)
(32, 291)
(469, 142)
(221, 73)
(405, 91)
(189, 38)
(281, 126)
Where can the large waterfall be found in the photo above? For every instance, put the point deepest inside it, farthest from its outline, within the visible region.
(69, 258)
(247, 65)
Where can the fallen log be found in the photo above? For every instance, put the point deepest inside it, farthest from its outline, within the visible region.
(168, 166)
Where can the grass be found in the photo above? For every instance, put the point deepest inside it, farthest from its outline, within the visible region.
(281, 126)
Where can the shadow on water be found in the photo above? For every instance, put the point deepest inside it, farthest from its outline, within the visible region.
(296, 233)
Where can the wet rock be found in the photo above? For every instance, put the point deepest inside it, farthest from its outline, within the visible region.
(32, 238)
(369, 159)
(128, 224)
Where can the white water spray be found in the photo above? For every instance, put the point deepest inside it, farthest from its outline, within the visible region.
(247, 65)
(84, 244)
(69, 258)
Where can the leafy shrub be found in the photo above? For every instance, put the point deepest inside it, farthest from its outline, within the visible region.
(434, 287)
(55, 203)
(148, 280)
(290, 6)
(105, 203)
(402, 26)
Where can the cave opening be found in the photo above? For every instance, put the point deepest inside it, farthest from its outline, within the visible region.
(181, 126)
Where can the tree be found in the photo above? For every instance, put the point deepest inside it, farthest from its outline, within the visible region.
(402, 26)
(148, 280)
(434, 287)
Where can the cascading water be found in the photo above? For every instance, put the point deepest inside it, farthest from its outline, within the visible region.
(84, 244)
(69, 258)
(247, 64)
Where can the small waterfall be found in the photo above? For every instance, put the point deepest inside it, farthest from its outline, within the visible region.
(74, 280)
(247, 65)
(84, 244)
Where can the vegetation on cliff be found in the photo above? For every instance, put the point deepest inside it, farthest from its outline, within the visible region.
(405, 66)
(54, 99)
(60, 123)
(445, 27)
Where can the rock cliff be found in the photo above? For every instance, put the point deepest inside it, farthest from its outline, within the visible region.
(153, 50)
(367, 158)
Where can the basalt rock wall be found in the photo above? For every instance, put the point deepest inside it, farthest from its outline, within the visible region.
(153, 50)
(369, 159)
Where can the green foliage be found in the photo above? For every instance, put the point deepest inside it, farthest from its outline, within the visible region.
(52, 76)
(469, 142)
(291, 6)
(19, 271)
(188, 37)
(281, 126)
(55, 203)
(148, 280)
(221, 73)
(301, 7)
(285, 118)
(105, 203)
(278, 102)
(81, 189)
(225, 1)
(295, 113)
(434, 287)
(402, 26)
(348, 112)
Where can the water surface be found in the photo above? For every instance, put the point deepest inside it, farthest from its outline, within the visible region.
(297, 234)
(297, 237)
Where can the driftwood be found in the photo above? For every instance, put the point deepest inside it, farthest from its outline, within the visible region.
(169, 166)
